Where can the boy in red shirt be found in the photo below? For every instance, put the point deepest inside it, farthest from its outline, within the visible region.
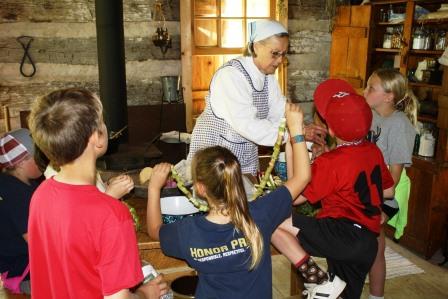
(82, 242)
(348, 181)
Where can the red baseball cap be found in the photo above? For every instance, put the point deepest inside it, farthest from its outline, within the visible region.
(345, 112)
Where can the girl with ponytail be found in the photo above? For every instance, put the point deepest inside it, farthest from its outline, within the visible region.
(229, 246)
(393, 130)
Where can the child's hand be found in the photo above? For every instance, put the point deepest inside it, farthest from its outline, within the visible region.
(154, 288)
(294, 119)
(159, 176)
(119, 186)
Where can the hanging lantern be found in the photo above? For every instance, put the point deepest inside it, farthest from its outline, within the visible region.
(161, 37)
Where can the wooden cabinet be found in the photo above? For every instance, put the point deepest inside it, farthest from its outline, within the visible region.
(360, 46)
(426, 230)
(349, 47)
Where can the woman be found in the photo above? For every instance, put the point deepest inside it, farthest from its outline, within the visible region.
(245, 104)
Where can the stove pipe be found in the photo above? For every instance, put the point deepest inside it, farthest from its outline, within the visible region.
(111, 64)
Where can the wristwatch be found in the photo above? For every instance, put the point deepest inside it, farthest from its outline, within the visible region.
(297, 139)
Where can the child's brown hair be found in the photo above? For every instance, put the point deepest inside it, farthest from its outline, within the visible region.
(219, 171)
(62, 122)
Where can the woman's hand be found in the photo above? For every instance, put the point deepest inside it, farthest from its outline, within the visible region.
(119, 186)
(159, 176)
(315, 133)
(294, 118)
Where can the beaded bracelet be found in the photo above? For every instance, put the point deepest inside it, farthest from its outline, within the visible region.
(297, 139)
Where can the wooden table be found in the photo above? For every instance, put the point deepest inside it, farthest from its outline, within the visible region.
(149, 249)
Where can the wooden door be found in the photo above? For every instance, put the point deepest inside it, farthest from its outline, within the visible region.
(350, 44)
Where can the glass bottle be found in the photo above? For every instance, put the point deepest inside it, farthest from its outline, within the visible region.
(440, 43)
(383, 15)
(149, 273)
(387, 40)
(428, 40)
(390, 12)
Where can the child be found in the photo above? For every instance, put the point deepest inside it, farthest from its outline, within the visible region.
(82, 241)
(394, 117)
(229, 247)
(349, 182)
(18, 180)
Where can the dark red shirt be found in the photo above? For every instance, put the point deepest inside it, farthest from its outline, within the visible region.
(349, 182)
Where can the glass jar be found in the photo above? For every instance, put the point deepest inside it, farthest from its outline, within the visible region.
(440, 42)
(396, 38)
(418, 39)
(387, 40)
(427, 144)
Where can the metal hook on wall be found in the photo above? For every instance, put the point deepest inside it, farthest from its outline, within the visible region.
(25, 42)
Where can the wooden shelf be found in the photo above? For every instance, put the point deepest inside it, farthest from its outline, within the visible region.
(427, 52)
(421, 84)
(384, 50)
(431, 21)
(430, 1)
(422, 159)
(427, 119)
(389, 24)
(386, 2)
(429, 164)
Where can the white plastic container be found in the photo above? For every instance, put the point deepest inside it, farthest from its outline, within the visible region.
(427, 145)
(177, 205)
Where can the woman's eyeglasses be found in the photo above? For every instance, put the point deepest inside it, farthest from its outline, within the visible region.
(276, 54)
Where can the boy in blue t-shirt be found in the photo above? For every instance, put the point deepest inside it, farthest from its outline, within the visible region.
(19, 177)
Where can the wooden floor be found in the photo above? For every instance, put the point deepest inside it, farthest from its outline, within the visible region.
(432, 284)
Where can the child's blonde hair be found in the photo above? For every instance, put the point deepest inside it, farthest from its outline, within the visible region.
(404, 99)
(219, 171)
(62, 122)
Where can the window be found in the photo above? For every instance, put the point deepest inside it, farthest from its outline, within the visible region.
(220, 26)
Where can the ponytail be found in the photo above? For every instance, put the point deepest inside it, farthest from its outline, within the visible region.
(409, 105)
(219, 171)
(238, 210)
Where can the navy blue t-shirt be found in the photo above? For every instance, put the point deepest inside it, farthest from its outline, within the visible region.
(220, 254)
(15, 197)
